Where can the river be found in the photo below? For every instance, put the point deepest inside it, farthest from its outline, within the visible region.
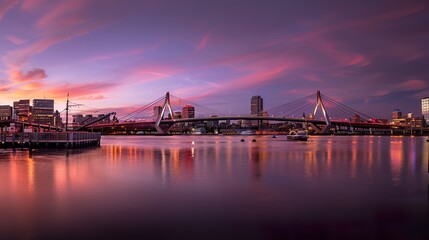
(217, 187)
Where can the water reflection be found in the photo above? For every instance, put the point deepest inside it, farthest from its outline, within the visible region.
(258, 156)
(396, 158)
(196, 181)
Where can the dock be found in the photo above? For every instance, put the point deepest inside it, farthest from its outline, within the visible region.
(49, 140)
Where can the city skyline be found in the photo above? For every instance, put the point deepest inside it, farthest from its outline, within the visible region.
(371, 56)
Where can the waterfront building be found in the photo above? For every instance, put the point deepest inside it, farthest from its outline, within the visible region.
(256, 105)
(425, 109)
(415, 122)
(77, 119)
(177, 115)
(21, 110)
(188, 111)
(256, 108)
(5, 112)
(396, 114)
(43, 111)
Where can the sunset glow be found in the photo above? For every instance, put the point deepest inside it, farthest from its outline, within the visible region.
(118, 55)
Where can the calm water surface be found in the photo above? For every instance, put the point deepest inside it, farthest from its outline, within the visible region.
(216, 187)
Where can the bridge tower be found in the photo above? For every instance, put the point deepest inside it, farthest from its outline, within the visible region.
(325, 113)
(160, 117)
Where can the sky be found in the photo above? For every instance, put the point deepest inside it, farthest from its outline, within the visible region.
(117, 55)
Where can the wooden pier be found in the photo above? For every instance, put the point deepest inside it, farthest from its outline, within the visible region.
(49, 140)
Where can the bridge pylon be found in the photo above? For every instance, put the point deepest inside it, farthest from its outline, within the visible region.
(325, 113)
(160, 117)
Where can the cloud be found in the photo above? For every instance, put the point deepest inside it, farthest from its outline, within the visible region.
(35, 74)
(14, 39)
(32, 5)
(129, 53)
(90, 97)
(243, 82)
(414, 84)
(6, 5)
(203, 43)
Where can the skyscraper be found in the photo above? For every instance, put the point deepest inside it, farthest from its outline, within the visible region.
(425, 109)
(256, 105)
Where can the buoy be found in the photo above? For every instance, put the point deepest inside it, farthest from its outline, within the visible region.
(242, 140)
(253, 140)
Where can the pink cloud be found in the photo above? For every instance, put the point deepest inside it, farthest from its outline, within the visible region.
(414, 84)
(81, 90)
(64, 14)
(90, 97)
(151, 73)
(65, 20)
(35, 74)
(312, 77)
(31, 5)
(246, 81)
(203, 43)
(129, 53)
(14, 39)
(6, 5)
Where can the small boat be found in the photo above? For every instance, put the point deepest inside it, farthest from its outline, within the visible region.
(297, 136)
(274, 136)
(247, 132)
(427, 140)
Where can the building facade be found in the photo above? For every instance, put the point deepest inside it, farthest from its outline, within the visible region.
(188, 111)
(43, 112)
(5, 112)
(425, 109)
(396, 114)
(21, 110)
(256, 106)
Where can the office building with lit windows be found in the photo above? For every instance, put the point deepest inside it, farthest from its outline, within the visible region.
(43, 111)
(425, 109)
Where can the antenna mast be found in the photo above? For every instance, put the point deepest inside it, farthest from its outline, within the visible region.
(67, 112)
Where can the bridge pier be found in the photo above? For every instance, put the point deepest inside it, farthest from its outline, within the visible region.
(160, 117)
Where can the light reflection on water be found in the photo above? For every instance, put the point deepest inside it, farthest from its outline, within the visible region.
(190, 186)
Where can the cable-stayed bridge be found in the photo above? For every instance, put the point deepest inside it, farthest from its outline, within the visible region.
(318, 112)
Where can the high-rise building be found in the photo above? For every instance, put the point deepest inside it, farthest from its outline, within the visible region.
(396, 114)
(425, 109)
(22, 110)
(5, 112)
(188, 111)
(43, 111)
(256, 105)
